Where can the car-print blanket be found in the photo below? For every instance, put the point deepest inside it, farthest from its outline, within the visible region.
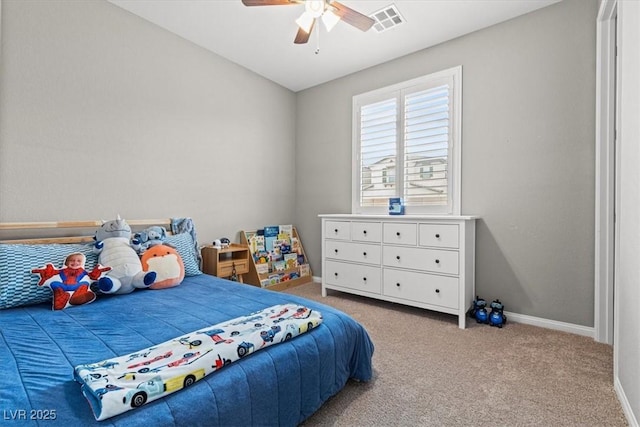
(116, 385)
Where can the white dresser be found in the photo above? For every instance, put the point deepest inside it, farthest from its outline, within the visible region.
(422, 261)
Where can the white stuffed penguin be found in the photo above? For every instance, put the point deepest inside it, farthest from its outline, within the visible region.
(112, 243)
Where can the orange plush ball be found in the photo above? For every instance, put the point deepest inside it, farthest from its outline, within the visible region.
(167, 263)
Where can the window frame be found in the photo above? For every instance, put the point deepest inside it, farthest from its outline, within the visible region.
(454, 154)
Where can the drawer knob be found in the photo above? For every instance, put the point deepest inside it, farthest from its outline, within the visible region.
(364, 254)
(398, 233)
(398, 284)
(437, 291)
(336, 250)
(437, 261)
(364, 278)
(336, 231)
(437, 236)
(365, 231)
(398, 257)
(335, 274)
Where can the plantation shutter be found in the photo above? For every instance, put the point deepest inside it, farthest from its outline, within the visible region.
(378, 152)
(407, 143)
(426, 146)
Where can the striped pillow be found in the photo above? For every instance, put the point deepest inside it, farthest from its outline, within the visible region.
(186, 247)
(18, 286)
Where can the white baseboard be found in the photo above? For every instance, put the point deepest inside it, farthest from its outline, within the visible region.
(626, 407)
(586, 331)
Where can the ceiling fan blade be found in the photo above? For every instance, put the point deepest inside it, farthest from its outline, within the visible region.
(302, 36)
(268, 2)
(350, 16)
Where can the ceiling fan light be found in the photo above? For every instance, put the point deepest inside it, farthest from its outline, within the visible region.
(315, 8)
(305, 22)
(330, 19)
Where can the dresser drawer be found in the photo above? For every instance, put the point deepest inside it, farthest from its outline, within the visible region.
(399, 233)
(366, 231)
(340, 230)
(433, 260)
(359, 277)
(421, 287)
(438, 235)
(355, 252)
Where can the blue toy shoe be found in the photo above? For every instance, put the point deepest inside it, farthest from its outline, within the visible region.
(479, 311)
(497, 317)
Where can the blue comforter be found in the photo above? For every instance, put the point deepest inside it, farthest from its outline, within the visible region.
(279, 385)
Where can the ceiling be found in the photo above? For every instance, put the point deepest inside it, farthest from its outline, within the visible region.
(260, 38)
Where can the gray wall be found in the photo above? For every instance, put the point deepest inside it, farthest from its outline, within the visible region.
(103, 113)
(102, 107)
(527, 162)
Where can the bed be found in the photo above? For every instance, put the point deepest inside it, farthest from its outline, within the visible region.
(279, 385)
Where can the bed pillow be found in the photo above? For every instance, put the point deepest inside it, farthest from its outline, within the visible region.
(185, 246)
(18, 286)
(71, 283)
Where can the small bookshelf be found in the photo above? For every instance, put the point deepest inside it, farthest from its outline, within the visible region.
(276, 261)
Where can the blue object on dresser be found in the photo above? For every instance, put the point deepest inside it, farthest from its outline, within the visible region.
(396, 206)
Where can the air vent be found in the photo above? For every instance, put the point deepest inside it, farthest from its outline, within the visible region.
(387, 18)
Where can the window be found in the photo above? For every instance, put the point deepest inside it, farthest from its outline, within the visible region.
(389, 176)
(406, 143)
(426, 172)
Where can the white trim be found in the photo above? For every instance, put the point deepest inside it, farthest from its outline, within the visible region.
(624, 402)
(605, 176)
(549, 324)
(456, 176)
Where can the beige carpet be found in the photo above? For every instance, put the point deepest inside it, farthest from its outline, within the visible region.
(427, 372)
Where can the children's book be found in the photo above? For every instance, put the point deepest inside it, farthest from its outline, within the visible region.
(279, 243)
(279, 266)
(275, 254)
(259, 242)
(291, 260)
(285, 232)
(270, 235)
(265, 282)
(250, 235)
(283, 245)
(301, 259)
(273, 279)
(295, 245)
(262, 268)
(261, 257)
(255, 241)
(304, 270)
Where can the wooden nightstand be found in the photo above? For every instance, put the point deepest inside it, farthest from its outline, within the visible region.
(221, 262)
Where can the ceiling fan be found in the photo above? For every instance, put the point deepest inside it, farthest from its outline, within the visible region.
(331, 12)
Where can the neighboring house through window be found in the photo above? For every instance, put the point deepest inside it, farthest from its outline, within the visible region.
(406, 143)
